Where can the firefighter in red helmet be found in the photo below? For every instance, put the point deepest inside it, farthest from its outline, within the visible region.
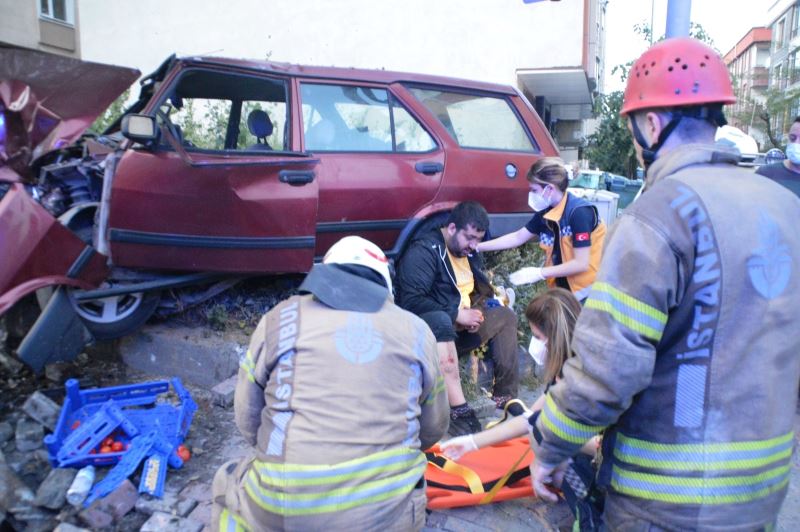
(686, 350)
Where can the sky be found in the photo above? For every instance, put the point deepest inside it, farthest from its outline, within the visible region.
(725, 21)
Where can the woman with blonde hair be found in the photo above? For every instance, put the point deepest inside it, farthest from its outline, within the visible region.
(568, 228)
(551, 317)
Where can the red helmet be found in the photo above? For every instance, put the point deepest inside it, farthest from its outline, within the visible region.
(677, 72)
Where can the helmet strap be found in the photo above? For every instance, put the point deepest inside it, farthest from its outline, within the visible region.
(649, 151)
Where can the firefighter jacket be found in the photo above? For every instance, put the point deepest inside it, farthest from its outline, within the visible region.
(557, 219)
(339, 405)
(687, 348)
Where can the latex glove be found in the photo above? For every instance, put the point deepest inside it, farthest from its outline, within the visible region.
(526, 275)
(511, 297)
(544, 477)
(455, 448)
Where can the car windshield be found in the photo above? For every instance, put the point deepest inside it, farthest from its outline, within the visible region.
(585, 180)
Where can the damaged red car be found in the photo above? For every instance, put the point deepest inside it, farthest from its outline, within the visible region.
(226, 168)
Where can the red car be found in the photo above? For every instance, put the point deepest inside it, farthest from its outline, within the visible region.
(228, 167)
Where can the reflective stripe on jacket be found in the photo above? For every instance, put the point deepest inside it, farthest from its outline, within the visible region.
(687, 348)
(559, 216)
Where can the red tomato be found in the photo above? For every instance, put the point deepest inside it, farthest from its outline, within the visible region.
(108, 442)
(184, 453)
(117, 446)
(105, 449)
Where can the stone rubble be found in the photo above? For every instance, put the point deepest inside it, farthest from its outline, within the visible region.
(42, 409)
(33, 493)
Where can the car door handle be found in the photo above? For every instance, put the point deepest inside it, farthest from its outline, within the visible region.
(428, 168)
(296, 178)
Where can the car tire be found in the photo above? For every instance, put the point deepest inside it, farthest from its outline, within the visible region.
(117, 316)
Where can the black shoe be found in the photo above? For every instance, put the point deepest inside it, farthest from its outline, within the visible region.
(464, 424)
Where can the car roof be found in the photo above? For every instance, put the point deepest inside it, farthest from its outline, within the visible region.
(348, 74)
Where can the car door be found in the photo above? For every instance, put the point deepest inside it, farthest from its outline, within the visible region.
(223, 190)
(379, 165)
(492, 139)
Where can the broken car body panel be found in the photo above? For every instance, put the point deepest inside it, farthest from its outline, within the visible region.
(41, 251)
(48, 101)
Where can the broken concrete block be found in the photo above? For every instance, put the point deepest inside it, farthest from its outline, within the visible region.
(15, 496)
(29, 435)
(53, 491)
(170, 503)
(66, 527)
(43, 409)
(160, 521)
(95, 518)
(120, 501)
(223, 392)
(6, 431)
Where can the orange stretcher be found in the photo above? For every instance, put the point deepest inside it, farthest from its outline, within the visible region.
(496, 473)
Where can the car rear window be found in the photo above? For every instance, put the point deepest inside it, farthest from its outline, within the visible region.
(476, 120)
(350, 118)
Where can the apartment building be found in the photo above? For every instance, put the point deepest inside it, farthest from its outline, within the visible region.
(748, 62)
(46, 25)
(784, 62)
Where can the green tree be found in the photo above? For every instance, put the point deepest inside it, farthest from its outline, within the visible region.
(772, 111)
(610, 146)
(111, 114)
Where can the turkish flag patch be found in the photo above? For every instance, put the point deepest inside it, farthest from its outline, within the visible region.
(581, 237)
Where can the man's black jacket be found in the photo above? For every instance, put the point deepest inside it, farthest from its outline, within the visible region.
(426, 281)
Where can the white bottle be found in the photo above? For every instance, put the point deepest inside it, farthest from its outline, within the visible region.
(80, 487)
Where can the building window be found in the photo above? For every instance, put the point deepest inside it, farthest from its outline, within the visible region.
(60, 10)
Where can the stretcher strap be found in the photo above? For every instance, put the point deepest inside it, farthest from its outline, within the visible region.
(448, 466)
(502, 482)
(510, 478)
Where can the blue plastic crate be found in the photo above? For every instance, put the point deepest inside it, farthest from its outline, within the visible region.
(137, 403)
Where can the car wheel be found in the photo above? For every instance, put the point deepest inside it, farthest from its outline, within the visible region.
(116, 316)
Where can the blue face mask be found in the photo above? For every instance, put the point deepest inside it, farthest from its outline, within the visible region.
(793, 153)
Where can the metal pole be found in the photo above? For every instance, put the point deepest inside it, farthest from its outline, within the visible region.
(652, 29)
(678, 12)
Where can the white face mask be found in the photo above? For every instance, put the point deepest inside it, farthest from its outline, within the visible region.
(538, 350)
(537, 202)
(793, 152)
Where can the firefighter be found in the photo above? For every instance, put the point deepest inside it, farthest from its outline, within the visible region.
(338, 392)
(686, 350)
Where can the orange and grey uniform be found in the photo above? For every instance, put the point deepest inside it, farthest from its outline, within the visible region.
(555, 223)
(338, 405)
(687, 349)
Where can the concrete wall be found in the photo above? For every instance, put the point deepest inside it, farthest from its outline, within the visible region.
(464, 38)
(21, 25)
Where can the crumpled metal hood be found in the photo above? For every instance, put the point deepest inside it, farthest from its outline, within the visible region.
(47, 101)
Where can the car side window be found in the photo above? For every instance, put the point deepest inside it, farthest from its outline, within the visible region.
(215, 111)
(476, 120)
(350, 118)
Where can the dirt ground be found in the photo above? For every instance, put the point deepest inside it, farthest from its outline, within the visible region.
(214, 439)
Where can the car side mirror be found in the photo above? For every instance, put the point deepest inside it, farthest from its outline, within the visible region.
(139, 128)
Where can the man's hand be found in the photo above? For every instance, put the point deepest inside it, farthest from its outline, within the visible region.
(526, 276)
(544, 476)
(470, 318)
(455, 448)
